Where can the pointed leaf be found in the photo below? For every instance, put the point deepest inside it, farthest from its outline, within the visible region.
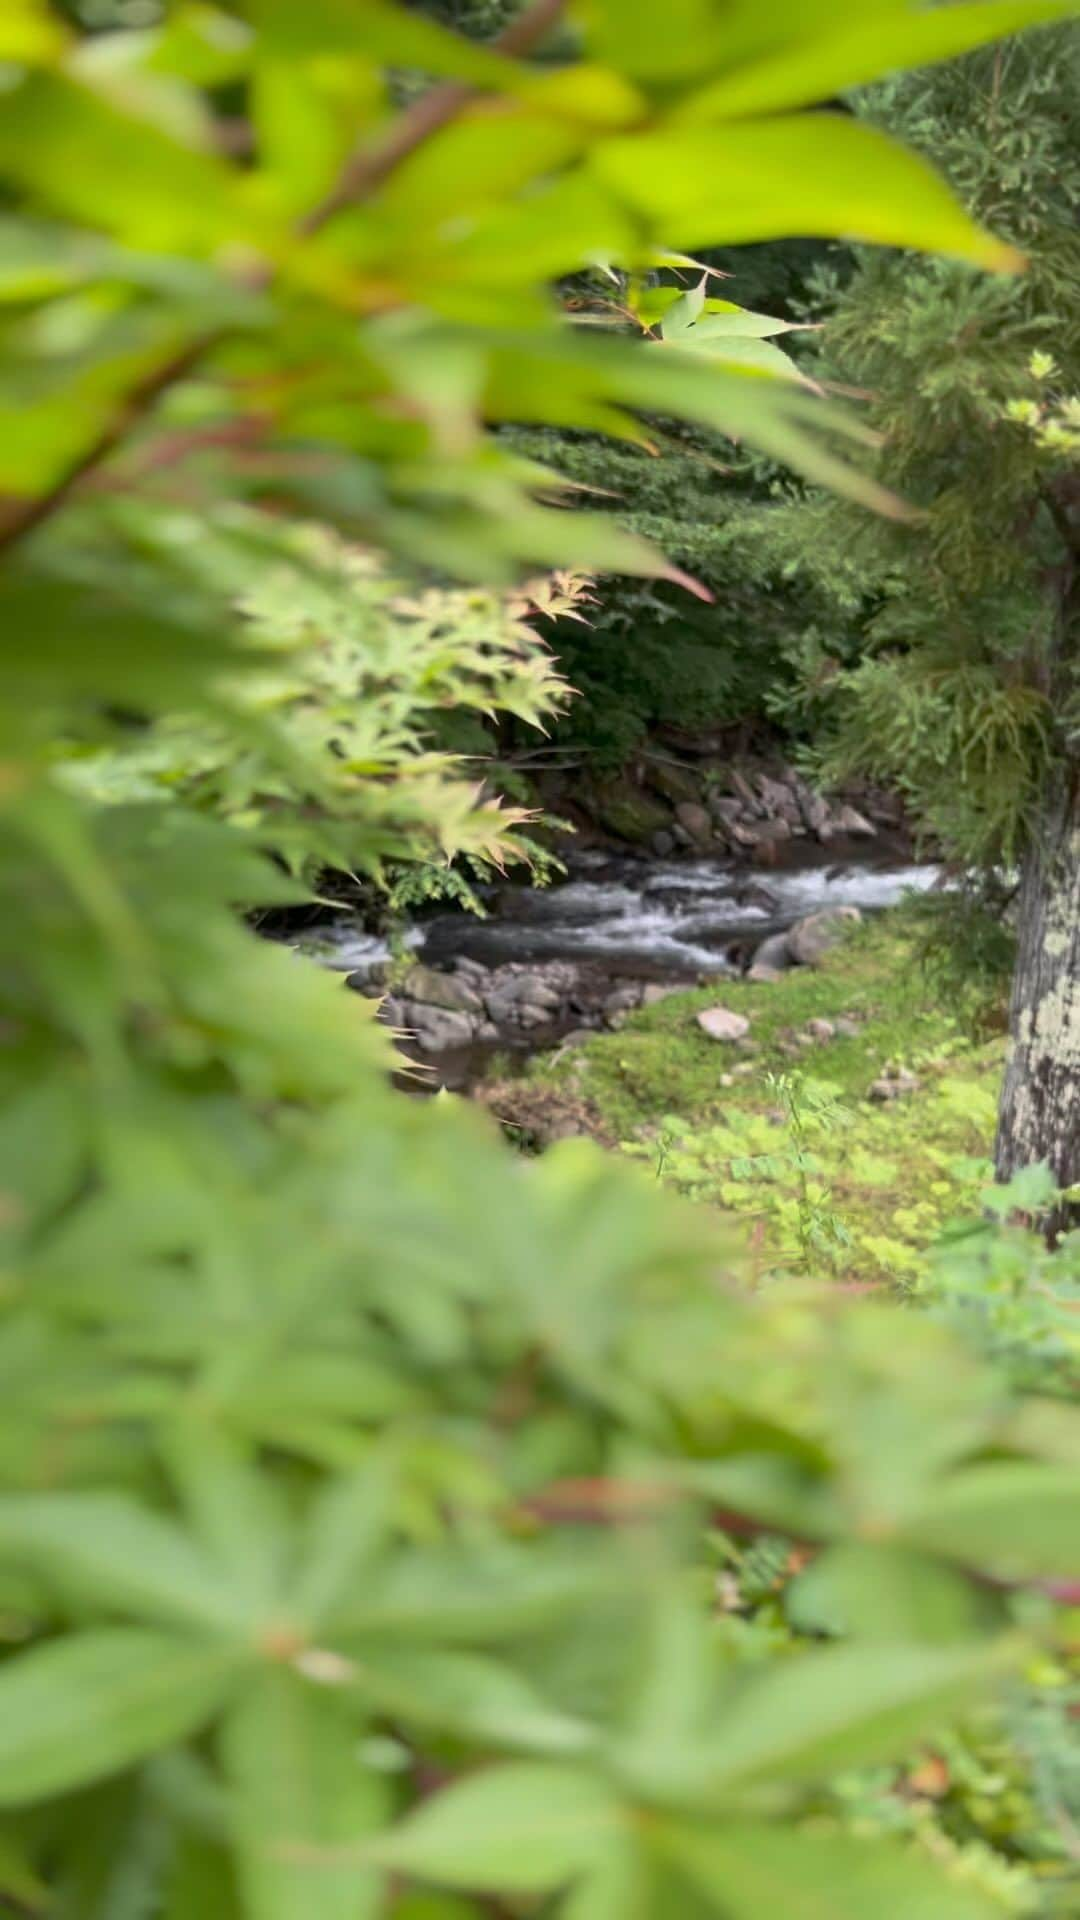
(754, 1870)
(515, 1829)
(106, 1549)
(1015, 1519)
(303, 1801)
(845, 1707)
(817, 175)
(76, 1710)
(859, 48)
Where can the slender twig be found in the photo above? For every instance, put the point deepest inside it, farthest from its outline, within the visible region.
(362, 174)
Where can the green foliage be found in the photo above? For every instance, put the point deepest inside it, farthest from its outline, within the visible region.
(937, 673)
(354, 1473)
(872, 1182)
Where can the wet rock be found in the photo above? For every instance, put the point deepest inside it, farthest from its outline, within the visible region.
(850, 820)
(816, 812)
(623, 1001)
(434, 989)
(695, 820)
(779, 800)
(720, 1023)
(365, 982)
(809, 940)
(766, 833)
(742, 833)
(751, 804)
(436, 1028)
(774, 954)
(663, 843)
(529, 1016)
(472, 969)
(523, 999)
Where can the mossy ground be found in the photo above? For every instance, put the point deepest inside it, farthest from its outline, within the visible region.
(784, 1133)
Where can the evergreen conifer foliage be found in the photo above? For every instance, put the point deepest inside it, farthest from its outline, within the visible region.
(354, 1472)
(965, 688)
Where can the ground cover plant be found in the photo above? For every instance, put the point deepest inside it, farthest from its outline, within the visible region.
(356, 1475)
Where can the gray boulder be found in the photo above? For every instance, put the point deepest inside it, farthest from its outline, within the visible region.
(450, 990)
(774, 953)
(437, 1029)
(694, 820)
(809, 940)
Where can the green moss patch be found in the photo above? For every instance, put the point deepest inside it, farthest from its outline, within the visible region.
(782, 1129)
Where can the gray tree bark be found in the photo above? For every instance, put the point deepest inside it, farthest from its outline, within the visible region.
(1039, 1115)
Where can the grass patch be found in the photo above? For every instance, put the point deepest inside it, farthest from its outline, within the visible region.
(778, 1126)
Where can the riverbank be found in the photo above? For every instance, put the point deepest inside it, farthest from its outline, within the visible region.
(848, 1111)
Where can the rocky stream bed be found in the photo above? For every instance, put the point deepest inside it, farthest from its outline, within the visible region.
(546, 968)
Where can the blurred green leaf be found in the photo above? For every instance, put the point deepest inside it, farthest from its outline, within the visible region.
(302, 1802)
(83, 1707)
(753, 1869)
(523, 1828)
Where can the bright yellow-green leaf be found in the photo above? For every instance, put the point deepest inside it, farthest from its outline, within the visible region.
(30, 33)
(822, 174)
(73, 151)
(856, 47)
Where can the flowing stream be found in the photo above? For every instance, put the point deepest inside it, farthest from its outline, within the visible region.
(650, 917)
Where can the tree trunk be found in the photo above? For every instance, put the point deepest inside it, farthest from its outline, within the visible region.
(1039, 1116)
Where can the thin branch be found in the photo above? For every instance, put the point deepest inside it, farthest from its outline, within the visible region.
(363, 173)
(370, 167)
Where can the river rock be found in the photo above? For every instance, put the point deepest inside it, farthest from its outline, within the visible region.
(815, 810)
(774, 954)
(694, 820)
(725, 809)
(523, 999)
(434, 989)
(720, 1023)
(437, 1029)
(850, 820)
(365, 982)
(663, 843)
(763, 976)
(766, 833)
(751, 804)
(778, 800)
(809, 940)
